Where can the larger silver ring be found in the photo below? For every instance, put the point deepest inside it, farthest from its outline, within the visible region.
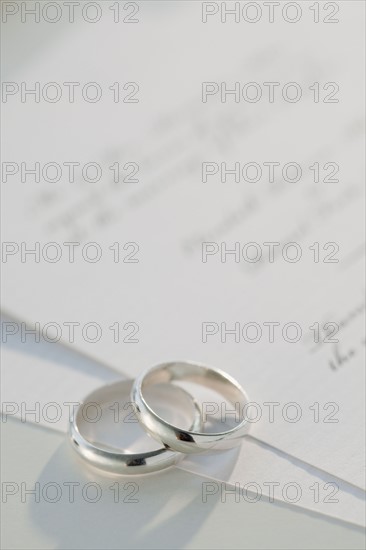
(120, 461)
(189, 441)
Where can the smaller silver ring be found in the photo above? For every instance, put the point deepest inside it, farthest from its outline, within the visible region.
(122, 462)
(189, 441)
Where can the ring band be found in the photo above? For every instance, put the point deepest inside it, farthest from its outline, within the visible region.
(119, 461)
(174, 437)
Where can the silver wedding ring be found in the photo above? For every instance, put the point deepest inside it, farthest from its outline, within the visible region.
(121, 461)
(189, 441)
(175, 441)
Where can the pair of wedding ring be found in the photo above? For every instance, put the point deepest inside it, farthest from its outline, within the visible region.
(175, 441)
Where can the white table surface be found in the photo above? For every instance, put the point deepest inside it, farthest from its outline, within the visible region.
(169, 512)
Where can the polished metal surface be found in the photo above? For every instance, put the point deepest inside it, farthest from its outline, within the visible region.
(121, 461)
(174, 437)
